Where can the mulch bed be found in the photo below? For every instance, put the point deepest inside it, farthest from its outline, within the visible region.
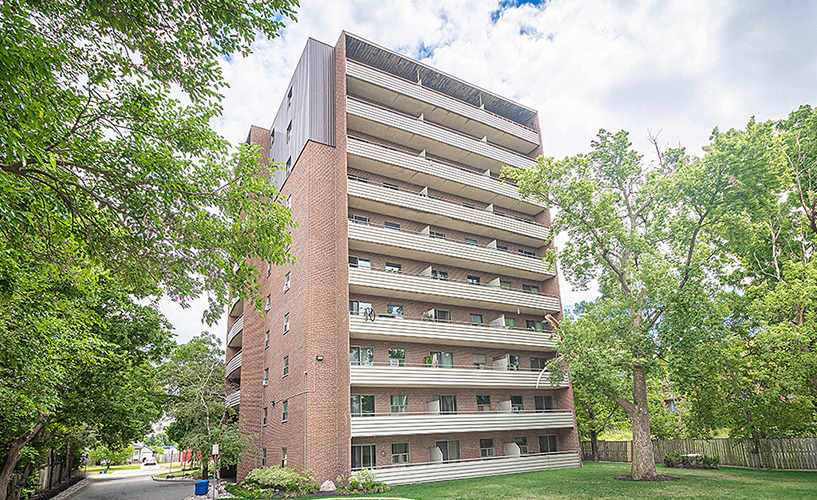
(657, 479)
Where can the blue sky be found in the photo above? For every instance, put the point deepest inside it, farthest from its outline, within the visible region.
(678, 67)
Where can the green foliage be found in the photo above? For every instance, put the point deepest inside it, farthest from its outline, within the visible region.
(365, 481)
(245, 491)
(111, 455)
(160, 439)
(281, 479)
(675, 459)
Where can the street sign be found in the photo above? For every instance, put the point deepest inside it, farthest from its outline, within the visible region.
(215, 449)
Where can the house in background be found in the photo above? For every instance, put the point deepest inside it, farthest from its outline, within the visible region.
(408, 335)
(141, 452)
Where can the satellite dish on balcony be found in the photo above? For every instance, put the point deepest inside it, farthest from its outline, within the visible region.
(368, 314)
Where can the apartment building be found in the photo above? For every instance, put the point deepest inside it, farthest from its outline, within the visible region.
(409, 334)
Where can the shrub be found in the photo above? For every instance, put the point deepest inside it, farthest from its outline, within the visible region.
(366, 481)
(242, 491)
(281, 479)
(675, 459)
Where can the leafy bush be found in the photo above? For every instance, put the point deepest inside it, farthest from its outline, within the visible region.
(281, 479)
(675, 459)
(366, 481)
(241, 491)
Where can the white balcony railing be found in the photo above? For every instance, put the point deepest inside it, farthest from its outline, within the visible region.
(234, 336)
(426, 289)
(393, 329)
(233, 368)
(404, 424)
(234, 399)
(477, 467)
(438, 100)
(443, 176)
(433, 137)
(418, 246)
(443, 213)
(424, 376)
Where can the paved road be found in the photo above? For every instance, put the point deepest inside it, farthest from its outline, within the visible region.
(133, 485)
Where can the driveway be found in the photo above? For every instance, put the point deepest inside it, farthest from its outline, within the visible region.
(133, 485)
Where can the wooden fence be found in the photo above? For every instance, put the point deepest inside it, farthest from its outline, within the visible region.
(796, 454)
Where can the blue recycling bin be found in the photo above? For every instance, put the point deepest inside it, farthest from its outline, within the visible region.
(202, 487)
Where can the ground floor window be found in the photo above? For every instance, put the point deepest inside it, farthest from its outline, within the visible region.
(363, 456)
(263, 457)
(486, 447)
(283, 457)
(399, 453)
(522, 443)
(547, 444)
(450, 450)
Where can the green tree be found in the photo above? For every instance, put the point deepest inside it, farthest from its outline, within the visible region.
(111, 455)
(646, 232)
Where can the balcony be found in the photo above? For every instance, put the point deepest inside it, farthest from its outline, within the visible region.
(234, 399)
(426, 289)
(233, 368)
(475, 467)
(459, 376)
(412, 98)
(405, 424)
(237, 306)
(416, 133)
(234, 336)
(425, 332)
(441, 176)
(443, 213)
(418, 246)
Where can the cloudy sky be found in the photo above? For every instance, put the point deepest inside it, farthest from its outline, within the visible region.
(680, 67)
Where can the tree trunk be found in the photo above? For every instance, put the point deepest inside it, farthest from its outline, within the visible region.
(643, 457)
(17, 488)
(14, 454)
(69, 462)
(594, 444)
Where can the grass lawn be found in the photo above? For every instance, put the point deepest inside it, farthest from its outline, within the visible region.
(113, 468)
(596, 481)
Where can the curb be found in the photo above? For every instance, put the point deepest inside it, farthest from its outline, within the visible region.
(174, 480)
(73, 489)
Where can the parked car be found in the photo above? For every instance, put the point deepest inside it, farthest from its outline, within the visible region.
(150, 461)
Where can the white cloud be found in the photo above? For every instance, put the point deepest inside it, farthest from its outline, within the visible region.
(680, 67)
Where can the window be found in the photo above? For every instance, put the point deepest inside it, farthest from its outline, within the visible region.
(502, 248)
(473, 280)
(360, 263)
(442, 359)
(286, 282)
(522, 443)
(361, 356)
(448, 404)
(468, 205)
(543, 403)
(399, 453)
(439, 236)
(525, 253)
(397, 357)
(390, 186)
(441, 316)
(289, 131)
(399, 403)
(363, 456)
(510, 322)
(355, 177)
(283, 457)
(436, 197)
(269, 269)
(266, 339)
(362, 405)
(449, 449)
(289, 98)
(286, 323)
(476, 320)
(505, 285)
(516, 403)
(486, 447)
(501, 214)
(288, 202)
(263, 457)
(265, 416)
(471, 242)
(358, 307)
(538, 364)
(266, 376)
(286, 366)
(483, 403)
(394, 310)
(439, 275)
(391, 267)
(284, 411)
(531, 289)
(547, 444)
(359, 219)
(272, 138)
(480, 362)
(534, 326)
(513, 362)
(289, 166)
(267, 303)
(391, 225)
